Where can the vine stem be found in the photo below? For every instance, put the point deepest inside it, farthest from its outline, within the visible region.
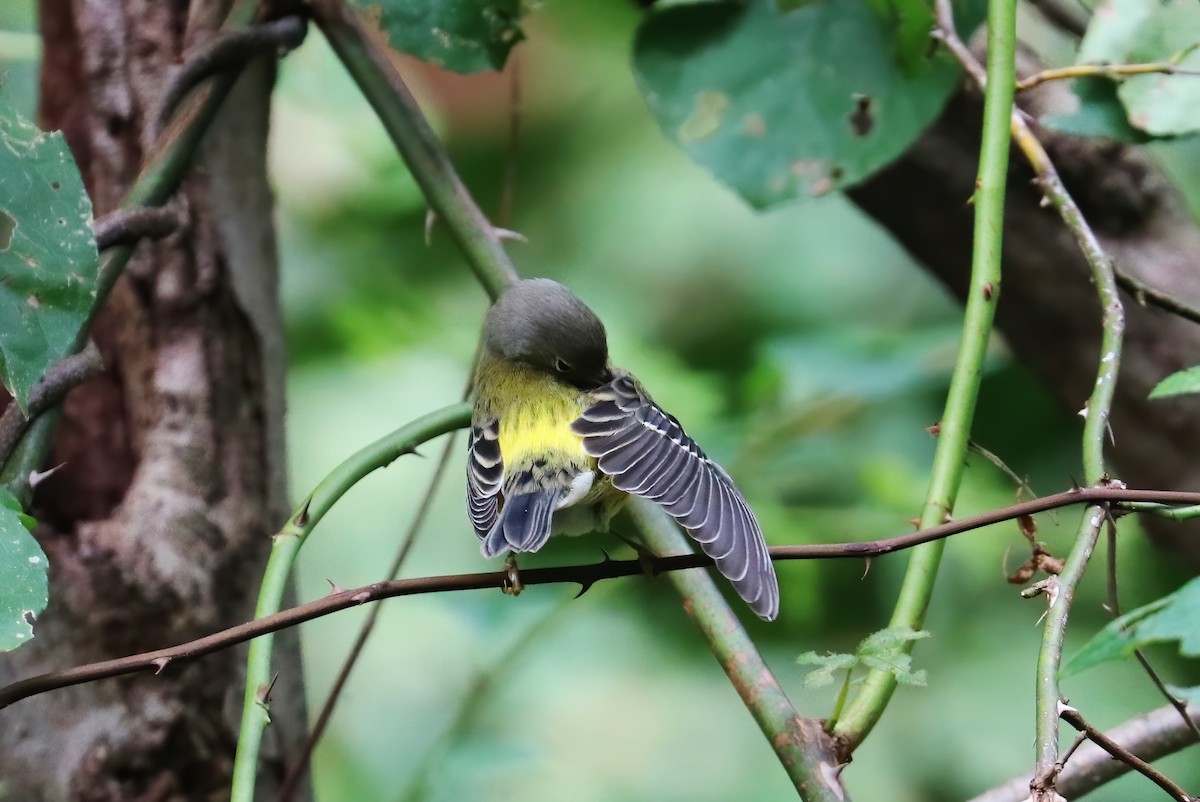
(1047, 695)
(286, 546)
(866, 707)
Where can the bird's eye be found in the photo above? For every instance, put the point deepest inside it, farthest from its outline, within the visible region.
(561, 366)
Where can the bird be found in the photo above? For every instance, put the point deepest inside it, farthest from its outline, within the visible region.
(560, 438)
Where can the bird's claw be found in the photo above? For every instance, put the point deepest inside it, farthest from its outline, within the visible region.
(512, 581)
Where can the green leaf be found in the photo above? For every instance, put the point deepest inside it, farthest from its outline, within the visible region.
(459, 35)
(1144, 31)
(787, 104)
(48, 266)
(1185, 381)
(1100, 114)
(881, 650)
(1175, 617)
(827, 665)
(23, 585)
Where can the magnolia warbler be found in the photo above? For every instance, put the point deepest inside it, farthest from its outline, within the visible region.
(559, 437)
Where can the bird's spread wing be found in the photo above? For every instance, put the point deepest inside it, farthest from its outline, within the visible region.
(485, 473)
(646, 453)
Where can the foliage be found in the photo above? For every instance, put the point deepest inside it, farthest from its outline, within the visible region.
(881, 651)
(1185, 381)
(459, 35)
(1175, 617)
(47, 252)
(783, 104)
(23, 583)
(1147, 31)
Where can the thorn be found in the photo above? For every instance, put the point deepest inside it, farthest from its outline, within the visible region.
(916, 522)
(584, 587)
(264, 691)
(37, 477)
(301, 517)
(1112, 438)
(361, 597)
(934, 430)
(504, 233)
(866, 568)
(988, 291)
(1083, 412)
(430, 219)
(334, 587)
(1063, 707)
(159, 664)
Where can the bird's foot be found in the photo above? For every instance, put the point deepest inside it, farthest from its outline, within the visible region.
(512, 583)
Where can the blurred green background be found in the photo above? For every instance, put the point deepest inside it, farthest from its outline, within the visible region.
(801, 347)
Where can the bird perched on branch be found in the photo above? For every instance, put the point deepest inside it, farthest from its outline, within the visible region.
(559, 437)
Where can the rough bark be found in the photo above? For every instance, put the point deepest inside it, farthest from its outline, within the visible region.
(1049, 313)
(158, 524)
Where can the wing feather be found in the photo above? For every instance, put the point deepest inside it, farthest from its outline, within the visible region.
(646, 452)
(485, 475)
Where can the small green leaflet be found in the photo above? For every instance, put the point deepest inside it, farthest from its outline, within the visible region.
(882, 651)
(23, 584)
(1172, 618)
(48, 264)
(459, 35)
(1185, 381)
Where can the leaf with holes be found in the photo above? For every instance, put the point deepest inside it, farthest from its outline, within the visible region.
(784, 104)
(23, 586)
(459, 35)
(48, 265)
(1175, 617)
(1148, 31)
(1181, 383)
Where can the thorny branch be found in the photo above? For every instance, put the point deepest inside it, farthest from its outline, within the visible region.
(1072, 717)
(583, 575)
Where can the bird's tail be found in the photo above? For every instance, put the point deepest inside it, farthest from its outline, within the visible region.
(523, 525)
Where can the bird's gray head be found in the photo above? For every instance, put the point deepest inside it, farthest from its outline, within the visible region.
(541, 323)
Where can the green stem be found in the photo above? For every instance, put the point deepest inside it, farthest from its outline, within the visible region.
(287, 545)
(1164, 511)
(808, 754)
(867, 706)
(424, 154)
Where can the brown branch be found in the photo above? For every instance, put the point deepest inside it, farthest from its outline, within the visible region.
(1072, 717)
(1145, 294)
(49, 390)
(1150, 736)
(229, 51)
(583, 575)
(128, 226)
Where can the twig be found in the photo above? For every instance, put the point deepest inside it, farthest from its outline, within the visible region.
(1150, 736)
(1145, 294)
(129, 226)
(231, 50)
(287, 545)
(1122, 754)
(866, 707)
(65, 374)
(1114, 72)
(299, 766)
(583, 575)
(432, 169)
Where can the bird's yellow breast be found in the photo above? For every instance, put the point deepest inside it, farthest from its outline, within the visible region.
(535, 412)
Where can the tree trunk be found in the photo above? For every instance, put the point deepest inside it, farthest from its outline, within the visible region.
(1049, 312)
(158, 523)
